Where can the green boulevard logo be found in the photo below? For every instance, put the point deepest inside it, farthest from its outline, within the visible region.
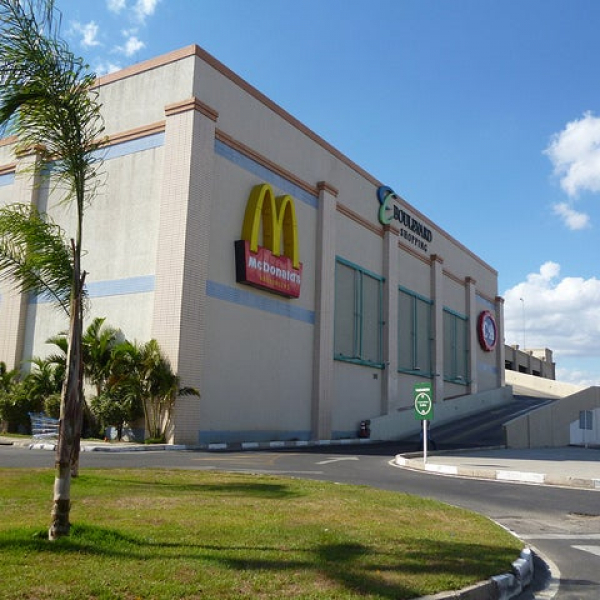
(411, 230)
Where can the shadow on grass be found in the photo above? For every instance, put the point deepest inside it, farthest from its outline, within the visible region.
(357, 567)
(268, 490)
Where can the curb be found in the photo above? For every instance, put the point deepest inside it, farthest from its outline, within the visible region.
(499, 587)
(411, 462)
(222, 447)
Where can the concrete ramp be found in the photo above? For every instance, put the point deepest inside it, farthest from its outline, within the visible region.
(538, 387)
(402, 423)
(550, 426)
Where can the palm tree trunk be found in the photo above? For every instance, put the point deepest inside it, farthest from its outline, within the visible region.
(69, 432)
(77, 441)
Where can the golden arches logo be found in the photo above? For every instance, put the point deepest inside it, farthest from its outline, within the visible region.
(278, 215)
(270, 266)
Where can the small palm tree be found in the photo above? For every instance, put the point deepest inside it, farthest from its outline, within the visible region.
(9, 381)
(46, 100)
(7, 377)
(98, 340)
(98, 343)
(143, 372)
(45, 379)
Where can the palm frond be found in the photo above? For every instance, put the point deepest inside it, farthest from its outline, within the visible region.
(188, 391)
(33, 254)
(46, 93)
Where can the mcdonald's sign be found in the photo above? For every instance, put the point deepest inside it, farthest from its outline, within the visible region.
(270, 266)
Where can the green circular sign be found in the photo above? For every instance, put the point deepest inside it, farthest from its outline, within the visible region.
(423, 404)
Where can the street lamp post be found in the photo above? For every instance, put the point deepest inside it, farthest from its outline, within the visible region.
(523, 314)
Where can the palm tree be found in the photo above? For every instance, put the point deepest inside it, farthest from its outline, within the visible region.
(142, 372)
(161, 390)
(46, 100)
(45, 379)
(98, 343)
(7, 378)
(34, 255)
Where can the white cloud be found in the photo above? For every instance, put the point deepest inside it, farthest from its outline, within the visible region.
(103, 68)
(144, 8)
(132, 45)
(573, 219)
(575, 155)
(89, 33)
(548, 311)
(138, 10)
(577, 376)
(135, 13)
(115, 6)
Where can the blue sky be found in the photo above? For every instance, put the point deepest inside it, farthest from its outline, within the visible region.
(484, 115)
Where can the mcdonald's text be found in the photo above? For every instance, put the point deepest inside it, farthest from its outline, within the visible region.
(264, 270)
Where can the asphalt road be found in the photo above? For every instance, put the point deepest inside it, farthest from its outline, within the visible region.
(562, 524)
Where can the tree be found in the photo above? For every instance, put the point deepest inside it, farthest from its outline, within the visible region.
(9, 382)
(45, 379)
(98, 340)
(29, 394)
(47, 101)
(20, 396)
(116, 407)
(98, 343)
(142, 371)
(7, 378)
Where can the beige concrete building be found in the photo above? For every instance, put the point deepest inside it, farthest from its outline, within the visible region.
(297, 292)
(538, 362)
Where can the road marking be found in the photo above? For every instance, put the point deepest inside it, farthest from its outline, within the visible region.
(332, 460)
(275, 472)
(591, 549)
(259, 459)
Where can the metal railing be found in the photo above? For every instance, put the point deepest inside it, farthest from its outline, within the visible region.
(43, 427)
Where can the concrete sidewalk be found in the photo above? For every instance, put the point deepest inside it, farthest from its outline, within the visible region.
(569, 466)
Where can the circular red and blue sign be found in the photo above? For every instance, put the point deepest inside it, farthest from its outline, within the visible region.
(487, 330)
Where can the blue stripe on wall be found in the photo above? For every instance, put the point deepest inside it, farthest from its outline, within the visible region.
(485, 302)
(487, 368)
(247, 298)
(116, 287)
(123, 149)
(228, 437)
(121, 287)
(139, 145)
(7, 179)
(265, 174)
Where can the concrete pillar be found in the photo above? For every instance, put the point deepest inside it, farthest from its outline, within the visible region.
(471, 304)
(323, 392)
(389, 390)
(182, 260)
(13, 304)
(437, 294)
(500, 348)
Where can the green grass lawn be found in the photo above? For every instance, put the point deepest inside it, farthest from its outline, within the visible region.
(157, 534)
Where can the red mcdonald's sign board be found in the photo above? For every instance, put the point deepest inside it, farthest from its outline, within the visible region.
(267, 266)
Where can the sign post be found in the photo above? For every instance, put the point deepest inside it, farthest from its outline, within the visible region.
(423, 398)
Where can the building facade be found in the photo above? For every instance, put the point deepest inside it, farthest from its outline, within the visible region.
(538, 362)
(297, 292)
